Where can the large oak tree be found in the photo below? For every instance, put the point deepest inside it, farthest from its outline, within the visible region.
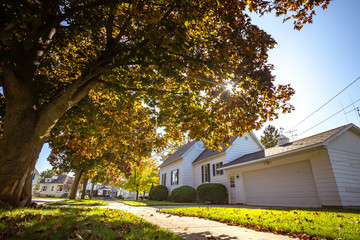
(176, 55)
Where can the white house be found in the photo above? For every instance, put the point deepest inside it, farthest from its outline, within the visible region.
(36, 176)
(192, 164)
(105, 190)
(320, 170)
(56, 186)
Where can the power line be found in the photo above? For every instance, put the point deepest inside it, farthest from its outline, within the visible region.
(326, 103)
(329, 117)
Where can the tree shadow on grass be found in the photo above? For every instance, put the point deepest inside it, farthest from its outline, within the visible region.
(68, 223)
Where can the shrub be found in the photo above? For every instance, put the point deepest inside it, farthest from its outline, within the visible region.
(120, 197)
(65, 195)
(213, 193)
(159, 193)
(183, 194)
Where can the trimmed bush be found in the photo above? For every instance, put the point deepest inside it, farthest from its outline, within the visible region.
(159, 193)
(183, 194)
(65, 195)
(213, 193)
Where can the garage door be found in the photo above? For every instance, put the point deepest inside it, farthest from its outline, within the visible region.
(286, 185)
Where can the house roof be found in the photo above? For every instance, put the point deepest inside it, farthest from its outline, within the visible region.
(178, 153)
(59, 179)
(307, 142)
(210, 153)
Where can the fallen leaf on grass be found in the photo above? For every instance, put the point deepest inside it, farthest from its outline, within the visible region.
(20, 234)
(75, 226)
(78, 236)
(119, 236)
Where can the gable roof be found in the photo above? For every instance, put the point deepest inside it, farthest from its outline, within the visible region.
(59, 179)
(210, 153)
(305, 143)
(178, 153)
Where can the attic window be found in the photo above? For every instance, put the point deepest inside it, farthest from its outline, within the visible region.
(246, 138)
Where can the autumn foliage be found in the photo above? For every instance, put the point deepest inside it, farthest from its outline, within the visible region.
(174, 57)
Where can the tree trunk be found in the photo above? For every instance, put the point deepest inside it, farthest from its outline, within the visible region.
(92, 190)
(84, 188)
(26, 128)
(75, 184)
(137, 195)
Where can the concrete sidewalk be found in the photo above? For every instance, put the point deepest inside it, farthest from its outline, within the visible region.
(195, 228)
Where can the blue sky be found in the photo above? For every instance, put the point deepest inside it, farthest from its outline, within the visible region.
(318, 61)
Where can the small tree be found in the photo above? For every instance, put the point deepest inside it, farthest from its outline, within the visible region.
(269, 139)
(143, 177)
(47, 173)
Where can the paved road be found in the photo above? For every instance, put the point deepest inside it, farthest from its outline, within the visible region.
(195, 228)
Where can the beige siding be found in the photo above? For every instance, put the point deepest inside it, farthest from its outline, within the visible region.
(184, 165)
(167, 169)
(324, 178)
(189, 157)
(241, 146)
(347, 173)
(214, 179)
(344, 152)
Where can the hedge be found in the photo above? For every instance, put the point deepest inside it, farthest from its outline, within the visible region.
(183, 194)
(213, 193)
(159, 193)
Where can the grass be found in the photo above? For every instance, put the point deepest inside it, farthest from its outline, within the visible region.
(51, 198)
(154, 203)
(84, 202)
(323, 223)
(75, 222)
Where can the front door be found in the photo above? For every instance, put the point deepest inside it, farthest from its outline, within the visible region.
(232, 199)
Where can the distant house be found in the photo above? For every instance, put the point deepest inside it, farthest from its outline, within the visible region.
(35, 178)
(317, 171)
(56, 186)
(106, 190)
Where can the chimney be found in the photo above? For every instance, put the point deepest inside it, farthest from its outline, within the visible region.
(282, 140)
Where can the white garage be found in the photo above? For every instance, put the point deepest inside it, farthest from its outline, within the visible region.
(322, 170)
(285, 185)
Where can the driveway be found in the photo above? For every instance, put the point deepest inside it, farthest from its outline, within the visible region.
(195, 228)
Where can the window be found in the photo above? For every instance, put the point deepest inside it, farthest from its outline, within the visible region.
(205, 173)
(163, 179)
(59, 188)
(175, 177)
(232, 181)
(216, 166)
(52, 188)
(44, 188)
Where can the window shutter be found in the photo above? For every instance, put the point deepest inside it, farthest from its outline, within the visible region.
(202, 174)
(177, 177)
(209, 171)
(214, 169)
(171, 178)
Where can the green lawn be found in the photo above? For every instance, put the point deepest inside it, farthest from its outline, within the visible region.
(85, 202)
(154, 203)
(50, 198)
(324, 223)
(76, 223)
